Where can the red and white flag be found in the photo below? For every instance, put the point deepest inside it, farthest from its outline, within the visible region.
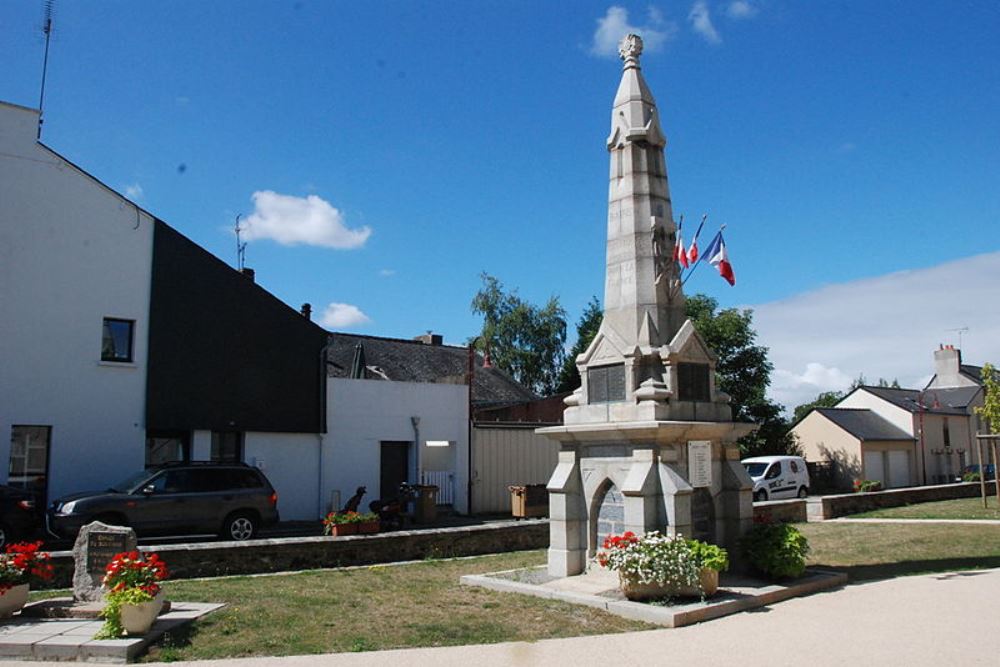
(717, 256)
(680, 255)
(693, 249)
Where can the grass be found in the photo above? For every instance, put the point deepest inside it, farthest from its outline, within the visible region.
(962, 508)
(422, 604)
(879, 551)
(371, 609)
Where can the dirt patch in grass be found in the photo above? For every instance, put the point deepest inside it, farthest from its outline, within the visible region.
(880, 551)
(961, 508)
(374, 608)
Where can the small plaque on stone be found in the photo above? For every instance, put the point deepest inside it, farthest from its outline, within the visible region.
(699, 463)
(95, 546)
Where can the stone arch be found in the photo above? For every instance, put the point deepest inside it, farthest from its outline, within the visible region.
(607, 514)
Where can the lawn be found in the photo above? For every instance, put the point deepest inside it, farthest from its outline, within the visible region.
(422, 604)
(962, 508)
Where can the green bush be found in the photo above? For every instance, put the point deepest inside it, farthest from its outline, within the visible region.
(970, 477)
(777, 550)
(709, 555)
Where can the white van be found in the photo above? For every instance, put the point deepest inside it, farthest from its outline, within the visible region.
(777, 477)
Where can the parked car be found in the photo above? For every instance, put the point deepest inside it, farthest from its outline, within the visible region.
(232, 500)
(777, 477)
(20, 515)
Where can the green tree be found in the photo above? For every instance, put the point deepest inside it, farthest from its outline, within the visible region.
(862, 381)
(744, 372)
(586, 329)
(525, 340)
(989, 411)
(826, 399)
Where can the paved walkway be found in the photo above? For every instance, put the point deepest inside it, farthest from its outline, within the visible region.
(971, 522)
(932, 620)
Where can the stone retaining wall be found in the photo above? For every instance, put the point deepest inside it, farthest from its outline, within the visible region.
(780, 511)
(209, 559)
(830, 507)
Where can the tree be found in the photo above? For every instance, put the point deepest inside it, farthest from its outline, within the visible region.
(586, 329)
(862, 381)
(826, 399)
(524, 340)
(744, 372)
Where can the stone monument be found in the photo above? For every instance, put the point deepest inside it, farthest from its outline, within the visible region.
(94, 548)
(648, 441)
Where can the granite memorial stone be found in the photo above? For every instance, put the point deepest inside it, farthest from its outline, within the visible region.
(95, 546)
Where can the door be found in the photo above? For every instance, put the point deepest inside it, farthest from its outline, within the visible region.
(777, 481)
(899, 468)
(394, 467)
(874, 467)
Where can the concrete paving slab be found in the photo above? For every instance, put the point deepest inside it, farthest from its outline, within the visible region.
(599, 588)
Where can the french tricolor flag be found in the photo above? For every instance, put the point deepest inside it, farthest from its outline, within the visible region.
(680, 255)
(717, 256)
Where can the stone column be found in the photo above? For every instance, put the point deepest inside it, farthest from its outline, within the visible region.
(642, 492)
(567, 516)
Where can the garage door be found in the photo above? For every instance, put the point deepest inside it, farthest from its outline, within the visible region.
(874, 466)
(899, 469)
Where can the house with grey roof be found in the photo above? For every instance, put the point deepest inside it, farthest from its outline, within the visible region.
(901, 437)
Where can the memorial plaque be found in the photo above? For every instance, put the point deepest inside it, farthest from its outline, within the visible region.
(101, 548)
(699, 463)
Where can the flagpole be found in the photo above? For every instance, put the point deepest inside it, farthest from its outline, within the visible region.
(697, 262)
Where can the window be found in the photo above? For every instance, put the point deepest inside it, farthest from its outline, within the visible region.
(794, 465)
(692, 381)
(116, 344)
(774, 470)
(946, 433)
(606, 384)
(166, 447)
(227, 446)
(29, 458)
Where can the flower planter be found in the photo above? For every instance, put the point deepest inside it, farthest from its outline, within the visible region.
(368, 527)
(137, 619)
(13, 599)
(639, 592)
(341, 529)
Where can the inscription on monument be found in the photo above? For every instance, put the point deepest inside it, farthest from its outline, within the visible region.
(101, 548)
(699, 463)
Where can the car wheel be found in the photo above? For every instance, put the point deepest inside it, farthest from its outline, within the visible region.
(803, 492)
(760, 495)
(240, 526)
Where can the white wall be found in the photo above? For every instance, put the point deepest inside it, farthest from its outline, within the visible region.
(291, 463)
(859, 398)
(71, 253)
(363, 413)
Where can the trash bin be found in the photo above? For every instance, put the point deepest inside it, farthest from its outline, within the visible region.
(425, 506)
(529, 500)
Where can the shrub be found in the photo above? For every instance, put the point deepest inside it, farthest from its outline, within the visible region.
(709, 556)
(777, 550)
(970, 477)
(867, 485)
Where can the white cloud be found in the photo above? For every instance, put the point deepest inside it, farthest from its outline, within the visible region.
(701, 22)
(885, 327)
(386, 273)
(741, 9)
(133, 192)
(342, 316)
(615, 25)
(307, 220)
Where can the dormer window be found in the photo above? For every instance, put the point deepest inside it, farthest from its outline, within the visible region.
(116, 343)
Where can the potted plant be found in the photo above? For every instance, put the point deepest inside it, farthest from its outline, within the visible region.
(19, 565)
(339, 524)
(134, 596)
(368, 523)
(657, 566)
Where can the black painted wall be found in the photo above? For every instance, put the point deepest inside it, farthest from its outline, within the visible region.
(224, 354)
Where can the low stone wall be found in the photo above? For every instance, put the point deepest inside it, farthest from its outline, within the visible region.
(830, 507)
(209, 559)
(780, 511)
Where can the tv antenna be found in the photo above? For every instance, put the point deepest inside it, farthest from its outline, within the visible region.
(47, 31)
(241, 246)
(959, 331)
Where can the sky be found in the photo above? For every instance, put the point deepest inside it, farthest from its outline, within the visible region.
(381, 156)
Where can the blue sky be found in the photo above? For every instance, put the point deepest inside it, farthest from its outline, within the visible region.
(849, 147)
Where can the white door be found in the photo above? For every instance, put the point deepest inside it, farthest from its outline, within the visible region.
(874, 467)
(899, 468)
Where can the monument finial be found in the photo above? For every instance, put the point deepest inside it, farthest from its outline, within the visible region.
(630, 48)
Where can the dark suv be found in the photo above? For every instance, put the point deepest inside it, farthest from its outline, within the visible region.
(232, 500)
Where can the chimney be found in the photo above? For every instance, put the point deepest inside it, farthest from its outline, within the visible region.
(947, 365)
(249, 273)
(306, 311)
(430, 338)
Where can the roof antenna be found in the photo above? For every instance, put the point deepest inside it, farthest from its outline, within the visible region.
(241, 246)
(959, 331)
(47, 31)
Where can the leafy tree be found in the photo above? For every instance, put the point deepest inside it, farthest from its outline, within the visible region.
(586, 329)
(525, 340)
(989, 411)
(744, 372)
(882, 382)
(826, 399)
